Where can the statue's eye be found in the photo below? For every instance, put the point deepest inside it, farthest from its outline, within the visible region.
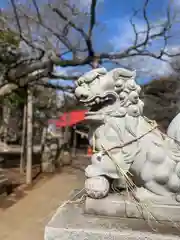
(119, 84)
(80, 82)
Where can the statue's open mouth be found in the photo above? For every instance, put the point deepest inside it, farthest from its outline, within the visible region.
(98, 102)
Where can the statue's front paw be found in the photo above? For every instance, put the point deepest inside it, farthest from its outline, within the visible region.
(97, 187)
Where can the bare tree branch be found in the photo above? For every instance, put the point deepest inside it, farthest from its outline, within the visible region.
(92, 17)
(86, 36)
(64, 21)
(63, 77)
(30, 43)
(7, 89)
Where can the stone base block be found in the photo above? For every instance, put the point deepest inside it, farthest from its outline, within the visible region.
(115, 205)
(70, 223)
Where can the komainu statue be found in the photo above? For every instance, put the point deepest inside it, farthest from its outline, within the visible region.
(129, 149)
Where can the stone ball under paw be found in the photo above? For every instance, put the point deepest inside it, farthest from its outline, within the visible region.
(177, 197)
(174, 183)
(97, 187)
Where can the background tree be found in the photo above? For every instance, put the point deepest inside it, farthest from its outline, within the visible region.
(161, 98)
(61, 33)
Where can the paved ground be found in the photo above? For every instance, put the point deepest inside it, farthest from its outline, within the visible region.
(26, 219)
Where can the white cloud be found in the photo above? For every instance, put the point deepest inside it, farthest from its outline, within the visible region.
(144, 65)
(147, 66)
(85, 4)
(125, 35)
(176, 3)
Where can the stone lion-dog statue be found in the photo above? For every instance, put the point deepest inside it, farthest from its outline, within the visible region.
(128, 147)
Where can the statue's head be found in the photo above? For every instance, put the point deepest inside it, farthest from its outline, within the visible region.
(98, 89)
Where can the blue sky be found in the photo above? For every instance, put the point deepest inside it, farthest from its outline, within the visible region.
(115, 32)
(116, 14)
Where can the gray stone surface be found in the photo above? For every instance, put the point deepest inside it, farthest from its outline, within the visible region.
(69, 223)
(120, 206)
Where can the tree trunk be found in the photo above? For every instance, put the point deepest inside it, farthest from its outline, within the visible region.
(67, 129)
(6, 116)
(42, 146)
(66, 135)
(43, 138)
(95, 62)
(29, 137)
(74, 143)
(23, 142)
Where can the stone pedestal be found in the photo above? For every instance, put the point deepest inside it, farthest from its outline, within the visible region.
(115, 205)
(70, 223)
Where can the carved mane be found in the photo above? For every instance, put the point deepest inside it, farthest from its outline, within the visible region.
(128, 91)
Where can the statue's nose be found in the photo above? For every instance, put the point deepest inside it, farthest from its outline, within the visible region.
(81, 93)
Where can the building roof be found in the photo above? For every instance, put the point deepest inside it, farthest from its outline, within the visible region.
(69, 118)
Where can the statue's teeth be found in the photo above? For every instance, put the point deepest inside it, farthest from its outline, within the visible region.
(97, 100)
